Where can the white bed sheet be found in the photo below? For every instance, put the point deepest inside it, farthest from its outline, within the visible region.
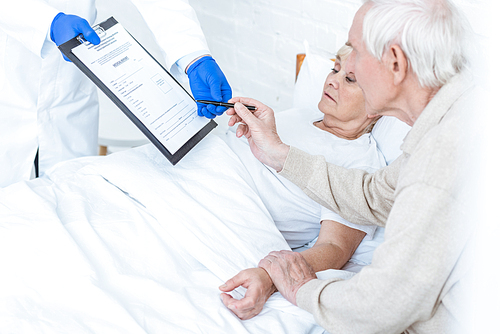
(98, 248)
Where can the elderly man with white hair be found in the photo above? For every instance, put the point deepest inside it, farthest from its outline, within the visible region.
(409, 59)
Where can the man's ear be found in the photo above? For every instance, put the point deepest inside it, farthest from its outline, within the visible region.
(397, 63)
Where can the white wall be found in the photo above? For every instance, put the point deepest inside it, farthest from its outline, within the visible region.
(255, 41)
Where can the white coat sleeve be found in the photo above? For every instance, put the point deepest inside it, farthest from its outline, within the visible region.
(175, 27)
(28, 22)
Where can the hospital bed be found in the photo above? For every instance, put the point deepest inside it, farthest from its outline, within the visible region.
(127, 243)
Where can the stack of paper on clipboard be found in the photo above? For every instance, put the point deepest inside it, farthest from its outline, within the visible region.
(145, 91)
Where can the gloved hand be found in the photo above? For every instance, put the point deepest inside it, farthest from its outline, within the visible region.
(207, 82)
(65, 27)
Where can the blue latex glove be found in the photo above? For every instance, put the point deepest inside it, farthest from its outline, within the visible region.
(207, 82)
(65, 27)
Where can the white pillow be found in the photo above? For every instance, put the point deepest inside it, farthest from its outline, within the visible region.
(310, 81)
(389, 133)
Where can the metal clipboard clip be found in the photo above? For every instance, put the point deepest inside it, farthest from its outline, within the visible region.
(99, 31)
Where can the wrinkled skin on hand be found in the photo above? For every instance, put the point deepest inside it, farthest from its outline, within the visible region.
(259, 288)
(259, 127)
(288, 271)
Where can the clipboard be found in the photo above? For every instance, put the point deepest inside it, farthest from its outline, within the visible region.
(193, 132)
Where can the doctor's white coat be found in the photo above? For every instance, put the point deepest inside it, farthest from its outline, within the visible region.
(46, 103)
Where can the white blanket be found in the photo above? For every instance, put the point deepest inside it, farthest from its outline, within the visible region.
(130, 244)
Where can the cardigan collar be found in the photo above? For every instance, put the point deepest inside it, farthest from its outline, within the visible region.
(436, 109)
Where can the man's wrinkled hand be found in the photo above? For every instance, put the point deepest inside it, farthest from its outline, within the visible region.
(288, 271)
(259, 127)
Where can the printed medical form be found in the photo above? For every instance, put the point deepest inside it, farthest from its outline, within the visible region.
(145, 88)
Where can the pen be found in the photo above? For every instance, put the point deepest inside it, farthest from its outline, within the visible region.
(223, 104)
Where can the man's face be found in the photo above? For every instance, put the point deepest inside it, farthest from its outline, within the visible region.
(372, 76)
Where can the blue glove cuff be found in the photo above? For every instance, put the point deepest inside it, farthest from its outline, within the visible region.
(198, 62)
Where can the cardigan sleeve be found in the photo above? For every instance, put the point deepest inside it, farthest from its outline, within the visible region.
(357, 196)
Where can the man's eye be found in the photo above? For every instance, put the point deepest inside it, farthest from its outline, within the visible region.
(350, 80)
(335, 71)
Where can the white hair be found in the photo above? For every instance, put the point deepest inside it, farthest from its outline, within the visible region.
(432, 34)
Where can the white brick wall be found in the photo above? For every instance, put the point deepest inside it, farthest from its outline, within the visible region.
(255, 41)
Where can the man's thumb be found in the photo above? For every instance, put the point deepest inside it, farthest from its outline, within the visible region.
(244, 113)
